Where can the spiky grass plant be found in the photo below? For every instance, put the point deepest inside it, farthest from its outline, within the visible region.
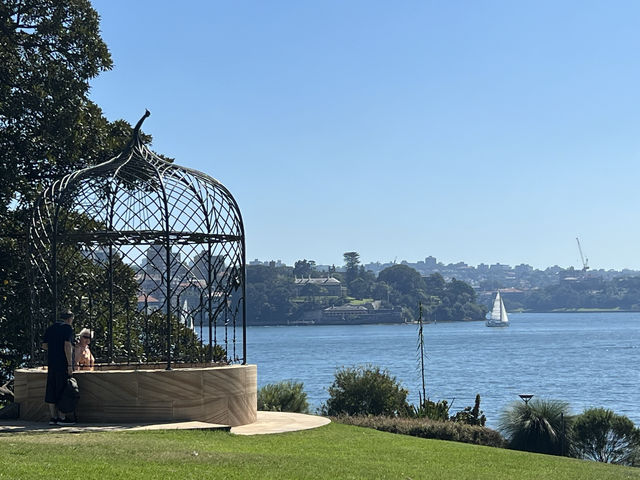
(538, 426)
(284, 396)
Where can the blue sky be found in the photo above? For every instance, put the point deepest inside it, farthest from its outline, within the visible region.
(476, 131)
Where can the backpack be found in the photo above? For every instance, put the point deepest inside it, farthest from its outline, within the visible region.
(70, 396)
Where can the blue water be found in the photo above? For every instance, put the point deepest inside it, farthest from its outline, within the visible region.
(584, 359)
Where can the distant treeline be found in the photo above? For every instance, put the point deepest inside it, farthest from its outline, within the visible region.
(582, 293)
(273, 297)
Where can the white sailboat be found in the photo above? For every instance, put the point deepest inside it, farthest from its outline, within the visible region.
(498, 316)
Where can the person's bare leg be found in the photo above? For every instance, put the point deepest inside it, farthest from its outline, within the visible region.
(53, 413)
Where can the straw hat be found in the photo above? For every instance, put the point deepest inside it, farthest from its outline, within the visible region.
(86, 331)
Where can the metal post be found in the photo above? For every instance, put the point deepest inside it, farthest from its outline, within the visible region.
(168, 301)
(244, 303)
(562, 433)
(210, 303)
(179, 315)
(91, 327)
(128, 332)
(110, 322)
(227, 301)
(54, 266)
(31, 285)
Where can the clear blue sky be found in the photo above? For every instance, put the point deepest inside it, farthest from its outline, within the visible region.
(476, 131)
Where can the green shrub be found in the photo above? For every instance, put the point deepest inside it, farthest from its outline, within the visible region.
(286, 396)
(471, 416)
(438, 411)
(426, 428)
(539, 426)
(601, 435)
(365, 390)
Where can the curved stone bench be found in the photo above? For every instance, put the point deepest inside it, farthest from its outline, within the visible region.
(225, 395)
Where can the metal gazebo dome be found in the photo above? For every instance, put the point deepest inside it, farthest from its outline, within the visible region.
(149, 255)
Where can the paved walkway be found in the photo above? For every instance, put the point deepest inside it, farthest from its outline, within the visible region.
(280, 422)
(268, 422)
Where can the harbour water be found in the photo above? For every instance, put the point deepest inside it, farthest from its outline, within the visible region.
(584, 359)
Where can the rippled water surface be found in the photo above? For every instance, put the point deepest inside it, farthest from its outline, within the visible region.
(584, 359)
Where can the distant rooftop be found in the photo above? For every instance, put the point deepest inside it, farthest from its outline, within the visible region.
(317, 281)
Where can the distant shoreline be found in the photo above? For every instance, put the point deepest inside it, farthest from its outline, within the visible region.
(576, 310)
(306, 323)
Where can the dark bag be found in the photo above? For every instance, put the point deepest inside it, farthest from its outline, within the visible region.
(70, 395)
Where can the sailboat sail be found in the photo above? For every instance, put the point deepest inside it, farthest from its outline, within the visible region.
(496, 313)
(498, 316)
(503, 313)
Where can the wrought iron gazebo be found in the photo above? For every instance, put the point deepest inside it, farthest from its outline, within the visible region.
(149, 255)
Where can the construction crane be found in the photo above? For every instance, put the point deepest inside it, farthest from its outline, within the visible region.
(585, 261)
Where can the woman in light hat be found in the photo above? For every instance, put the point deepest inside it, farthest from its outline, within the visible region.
(83, 357)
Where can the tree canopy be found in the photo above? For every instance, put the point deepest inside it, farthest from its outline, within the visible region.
(351, 262)
(601, 435)
(49, 51)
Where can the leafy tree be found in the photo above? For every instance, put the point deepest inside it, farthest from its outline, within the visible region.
(351, 262)
(49, 50)
(365, 390)
(445, 301)
(406, 288)
(381, 291)
(402, 278)
(287, 396)
(269, 293)
(359, 288)
(601, 435)
(537, 426)
(48, 126)
(435, 285)
(460, 292)
(304, 268)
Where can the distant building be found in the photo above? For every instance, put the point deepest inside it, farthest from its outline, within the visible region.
(430, 262)
(270, 263)
(156, 261)
(200, 268)
(360, 314)
(330, 286)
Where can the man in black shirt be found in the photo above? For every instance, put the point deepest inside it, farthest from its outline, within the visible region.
(58, 341)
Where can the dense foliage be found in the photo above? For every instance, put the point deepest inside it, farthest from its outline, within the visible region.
(49, 51)
(582, 293)
(271, 296)
(437, 411)
(286, 396)
(273, 299)
(427, 428)
(444, 301)
(471, 415)
(601, 435)
(365, 390)
(48, 126)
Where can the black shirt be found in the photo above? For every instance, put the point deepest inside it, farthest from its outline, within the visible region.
(54, 337)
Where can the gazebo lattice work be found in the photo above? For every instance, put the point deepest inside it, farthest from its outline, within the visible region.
(149, 255)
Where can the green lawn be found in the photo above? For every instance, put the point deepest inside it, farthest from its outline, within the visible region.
(333, 452)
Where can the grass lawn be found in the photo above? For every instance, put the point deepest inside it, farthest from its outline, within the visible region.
(334, 452)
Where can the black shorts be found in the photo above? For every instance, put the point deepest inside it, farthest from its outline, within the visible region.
(56, 381)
